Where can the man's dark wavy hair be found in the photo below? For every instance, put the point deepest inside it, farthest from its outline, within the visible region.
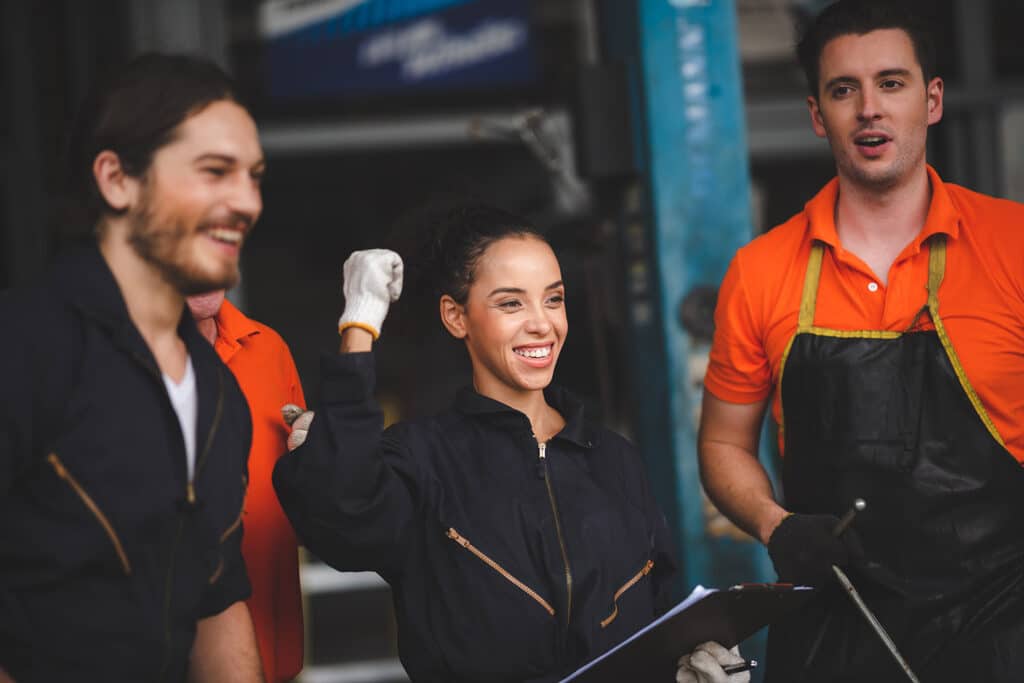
(133, 113)
(857, 17)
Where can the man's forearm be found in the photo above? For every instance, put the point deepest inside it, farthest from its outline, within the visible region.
(729, 469)
(225, 649)
(739, 486)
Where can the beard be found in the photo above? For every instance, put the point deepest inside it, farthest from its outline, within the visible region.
(876, 180)
(163, 242)
(887, 177)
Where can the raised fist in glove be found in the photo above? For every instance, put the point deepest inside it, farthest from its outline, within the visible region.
(299, 420)
(373, 279)
(704, 665)
(803, 549)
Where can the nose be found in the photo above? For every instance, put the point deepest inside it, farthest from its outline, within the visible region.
(539, 322)
(870, 102)
(246, 198)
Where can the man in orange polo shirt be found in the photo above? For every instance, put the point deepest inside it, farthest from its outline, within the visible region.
(885, 324)
(263, 366)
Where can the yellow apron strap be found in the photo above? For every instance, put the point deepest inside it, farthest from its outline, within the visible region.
(936, 271)
(809, 298)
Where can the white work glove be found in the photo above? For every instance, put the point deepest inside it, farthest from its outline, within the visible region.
(299, 420)
(704, 665)
(373, 279)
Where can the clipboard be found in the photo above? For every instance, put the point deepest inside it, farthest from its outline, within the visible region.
(725, 616)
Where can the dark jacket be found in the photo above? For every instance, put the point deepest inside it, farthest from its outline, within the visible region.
(504, 566)
(108, 556)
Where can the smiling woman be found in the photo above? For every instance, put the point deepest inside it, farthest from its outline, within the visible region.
(519, 539)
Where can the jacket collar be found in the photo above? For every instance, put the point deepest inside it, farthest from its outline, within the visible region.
(576, 430)
(83, 279)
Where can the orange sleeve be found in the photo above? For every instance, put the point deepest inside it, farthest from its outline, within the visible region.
(292, 375)
(738, 369)
(289, 646)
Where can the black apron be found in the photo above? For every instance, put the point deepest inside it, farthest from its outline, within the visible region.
(891, 417)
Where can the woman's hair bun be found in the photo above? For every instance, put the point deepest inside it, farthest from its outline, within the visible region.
(441, 243)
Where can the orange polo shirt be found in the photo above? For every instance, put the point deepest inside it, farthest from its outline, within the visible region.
(263, 366)
(981, 300)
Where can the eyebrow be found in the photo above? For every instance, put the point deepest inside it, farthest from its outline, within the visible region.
(519, 290)
(885, 73)
(226, 158)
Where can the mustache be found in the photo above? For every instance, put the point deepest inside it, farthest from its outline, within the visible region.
(232, 219)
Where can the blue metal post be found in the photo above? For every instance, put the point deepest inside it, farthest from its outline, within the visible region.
(698, 192)
(695, 200)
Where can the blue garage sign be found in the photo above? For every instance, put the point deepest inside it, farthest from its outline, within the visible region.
(342, 48)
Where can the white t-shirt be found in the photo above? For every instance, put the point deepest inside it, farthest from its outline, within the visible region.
(186, 404)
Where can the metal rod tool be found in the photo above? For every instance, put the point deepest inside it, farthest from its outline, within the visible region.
(846, 520)
(844, 581)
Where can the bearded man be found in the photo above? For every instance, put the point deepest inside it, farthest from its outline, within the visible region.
(123, 439)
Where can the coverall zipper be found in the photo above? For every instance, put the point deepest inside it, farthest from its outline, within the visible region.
(190, 492)
(168, 588)
(223, 537)
(62, 472)
(190, 497)
(542, 454)
(464, 542)
(625, 587)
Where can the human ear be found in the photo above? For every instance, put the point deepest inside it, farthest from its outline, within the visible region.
(935, 90)
(453, 317)
(117, 188)
(817, 123)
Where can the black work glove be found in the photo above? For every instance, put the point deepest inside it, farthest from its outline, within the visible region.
(803, 549)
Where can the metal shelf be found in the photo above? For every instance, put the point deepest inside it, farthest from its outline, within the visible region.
(319, 578)
(373, 671)
(405, 132)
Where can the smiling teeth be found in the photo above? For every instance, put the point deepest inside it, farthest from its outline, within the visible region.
(226, 235)
(543, 352)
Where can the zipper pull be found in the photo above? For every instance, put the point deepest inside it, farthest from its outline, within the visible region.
(542, 447)
(190, 493)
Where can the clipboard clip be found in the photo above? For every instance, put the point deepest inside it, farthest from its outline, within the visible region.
(766, 587)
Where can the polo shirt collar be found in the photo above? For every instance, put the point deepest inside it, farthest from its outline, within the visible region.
(233, 328)
(943, 215)
(576, 430)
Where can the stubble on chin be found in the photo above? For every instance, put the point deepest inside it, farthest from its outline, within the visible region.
(162, 244)
(881, 181)
(878, 180)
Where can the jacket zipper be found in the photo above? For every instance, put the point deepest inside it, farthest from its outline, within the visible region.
(168, 588)
(223, 537)
(625, 587)
(464, 542)
(190, 496)
(63, 473)
(542, 454)
(190, 489)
